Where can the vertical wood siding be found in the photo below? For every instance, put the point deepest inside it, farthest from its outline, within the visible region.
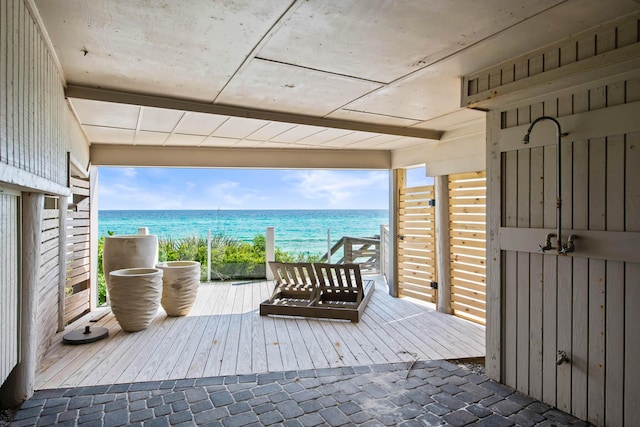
(467, 245)
(48, 290)
(586, 307)
(9, 284)
(597, 42)
(37, 130)
(36, 126)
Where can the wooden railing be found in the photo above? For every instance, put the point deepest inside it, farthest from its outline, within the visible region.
(357, 250)
(385, 245)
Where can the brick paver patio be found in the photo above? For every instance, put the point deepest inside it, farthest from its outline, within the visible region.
(431, 393)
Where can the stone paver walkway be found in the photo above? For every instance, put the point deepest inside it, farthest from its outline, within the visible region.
(431, 393)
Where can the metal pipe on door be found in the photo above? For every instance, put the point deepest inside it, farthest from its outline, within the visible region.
(562, 249)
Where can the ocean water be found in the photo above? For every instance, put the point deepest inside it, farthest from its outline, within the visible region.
(296, 231)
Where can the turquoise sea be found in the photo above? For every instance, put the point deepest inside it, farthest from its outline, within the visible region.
(295, 230)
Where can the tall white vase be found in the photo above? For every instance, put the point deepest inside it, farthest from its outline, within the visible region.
(180, 283)
(129, 251)
(135, 296)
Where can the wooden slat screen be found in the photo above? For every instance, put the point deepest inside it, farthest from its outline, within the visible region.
(416, 247)
(49, 274)
(9, 262)
(467, 237)
(78, 252)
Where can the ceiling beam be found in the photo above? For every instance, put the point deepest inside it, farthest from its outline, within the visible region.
(106, 95)
(256, 158)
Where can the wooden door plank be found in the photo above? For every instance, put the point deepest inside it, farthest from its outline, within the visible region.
(536, 345)
(632, 346)
(632, 182)
(549, 327)
(522, 315)
(615, 183)
(614, 341)
(580, 340)
(596, 361)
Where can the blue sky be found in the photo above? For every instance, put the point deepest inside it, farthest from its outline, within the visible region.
(193, 188)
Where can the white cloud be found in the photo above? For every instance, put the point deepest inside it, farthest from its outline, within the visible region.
(335, 187)
(119, 196)
(129, 172)
(230, 193)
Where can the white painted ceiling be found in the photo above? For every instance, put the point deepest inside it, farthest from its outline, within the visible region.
(365, 62)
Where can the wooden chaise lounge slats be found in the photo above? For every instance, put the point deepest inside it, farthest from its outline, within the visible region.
(294, 280)
(334, 291)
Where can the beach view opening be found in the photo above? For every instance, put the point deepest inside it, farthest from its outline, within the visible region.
(310, 210)
(302, 205)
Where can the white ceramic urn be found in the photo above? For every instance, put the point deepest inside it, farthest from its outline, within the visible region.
(180, 283)
(135, 295)
(129, 251)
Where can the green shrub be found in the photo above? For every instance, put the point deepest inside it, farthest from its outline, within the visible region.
(230, 258)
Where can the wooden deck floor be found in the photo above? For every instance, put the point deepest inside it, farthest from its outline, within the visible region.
(224, 335)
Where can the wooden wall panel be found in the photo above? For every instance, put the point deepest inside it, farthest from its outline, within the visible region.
(573, 304)
(37, 128)
(554, 65)
(9, 280)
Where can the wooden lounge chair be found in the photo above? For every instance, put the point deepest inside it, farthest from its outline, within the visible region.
(335, 291)
(296, 288)
(343, 293)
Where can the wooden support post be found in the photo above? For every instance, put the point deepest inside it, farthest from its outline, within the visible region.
(270, 250)
(20, 384)
(494, 331)
(93, 236)
(348, 251)
(443, 254)
(62, 258)
(397, 179)
(208, 255)
(383, 268)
